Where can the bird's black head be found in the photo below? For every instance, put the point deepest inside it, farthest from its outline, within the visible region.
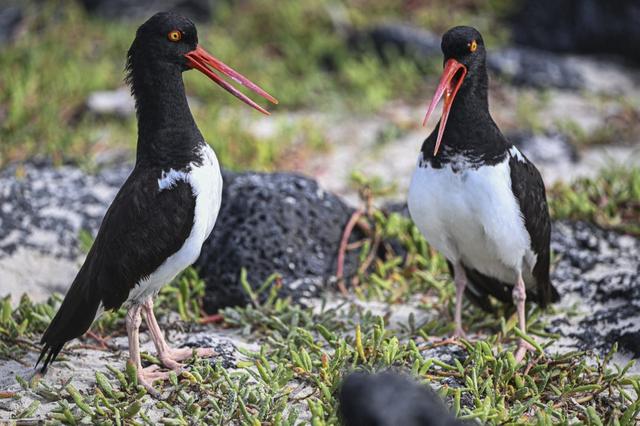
(166, 45)
(465, 45)
(464, 70)
(165, 38)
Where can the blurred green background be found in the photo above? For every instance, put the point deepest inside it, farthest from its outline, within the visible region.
(295, 49)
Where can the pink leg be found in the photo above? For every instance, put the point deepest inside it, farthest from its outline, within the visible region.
(519, 297)
(146, 376)
(460, 278)
(169, 357)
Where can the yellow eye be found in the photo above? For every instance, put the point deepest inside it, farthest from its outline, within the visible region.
(473, 46)
(175, 35)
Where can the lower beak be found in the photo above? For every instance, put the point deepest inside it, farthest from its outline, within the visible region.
(203, 61)
(448, 87)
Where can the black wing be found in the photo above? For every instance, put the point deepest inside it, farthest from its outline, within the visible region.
(142, 227)
(528, 187)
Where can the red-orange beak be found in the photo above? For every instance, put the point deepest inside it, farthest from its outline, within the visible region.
(450, 82)
(203, 61)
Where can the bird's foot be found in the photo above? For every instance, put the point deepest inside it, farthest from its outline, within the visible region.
(459, 333)
(171, 357)
(148, 375)
(523, 348)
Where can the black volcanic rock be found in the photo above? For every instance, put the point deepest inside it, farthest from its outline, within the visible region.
(601, 268)
(546, 148)
(396, 39)
(534, 68)
(579, 26)
(11, 17)
(279, 222)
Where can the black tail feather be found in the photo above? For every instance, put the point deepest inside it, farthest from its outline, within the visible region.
(73, 319)
(49, 353)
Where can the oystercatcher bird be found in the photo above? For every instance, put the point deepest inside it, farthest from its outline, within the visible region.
(478, 200)
(167, 207)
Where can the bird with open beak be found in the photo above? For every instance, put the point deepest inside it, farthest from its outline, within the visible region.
(167, 207)
(475, 197)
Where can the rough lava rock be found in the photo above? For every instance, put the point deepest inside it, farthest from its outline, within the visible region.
(396, 38)
(42, 212)
(11, 17)
(601, 271)
(45, 208)
(268, 223)
(224, 348)
(579, 26)
(549, 148)
(534, 68)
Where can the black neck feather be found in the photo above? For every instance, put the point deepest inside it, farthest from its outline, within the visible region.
(167, 133)
(470, 129)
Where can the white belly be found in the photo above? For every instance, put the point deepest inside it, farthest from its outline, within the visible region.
(206, 183)
(472, 216)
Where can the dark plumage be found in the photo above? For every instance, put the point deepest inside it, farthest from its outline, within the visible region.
(391, 399)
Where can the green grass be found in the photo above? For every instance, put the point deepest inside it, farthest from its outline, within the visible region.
(612, 199)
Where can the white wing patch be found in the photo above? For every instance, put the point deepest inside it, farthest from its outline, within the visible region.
(168, 179)
(514, 152)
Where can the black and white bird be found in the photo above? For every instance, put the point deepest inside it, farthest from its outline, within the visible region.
(477, 199)
(165, 210)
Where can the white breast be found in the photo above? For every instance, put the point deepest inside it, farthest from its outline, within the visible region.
(206, 182)
(471, 215)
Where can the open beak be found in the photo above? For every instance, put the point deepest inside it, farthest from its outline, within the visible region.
(203, 61)
(450, 82)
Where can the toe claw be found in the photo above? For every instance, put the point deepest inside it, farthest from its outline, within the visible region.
(459, 333)
(148, 375)
(523, 348)
(172, 357)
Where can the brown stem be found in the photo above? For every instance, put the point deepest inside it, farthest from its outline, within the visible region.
(348, 229)
(215, 318)
(372, 254)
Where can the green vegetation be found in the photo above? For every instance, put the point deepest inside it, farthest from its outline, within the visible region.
(619, 127)
(612, 200)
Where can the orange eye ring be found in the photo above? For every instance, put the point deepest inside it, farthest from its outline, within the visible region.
(473, 46)
(174, 36)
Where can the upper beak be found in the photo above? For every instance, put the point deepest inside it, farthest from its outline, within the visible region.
(449, 88)
(202, 60)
